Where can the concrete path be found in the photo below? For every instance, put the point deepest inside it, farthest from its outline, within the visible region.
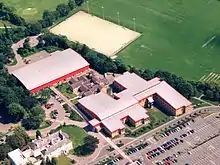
(87, 159)
(113, 145)
(199, 99)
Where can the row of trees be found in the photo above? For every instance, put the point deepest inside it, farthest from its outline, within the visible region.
(62, 10)
(103, 64)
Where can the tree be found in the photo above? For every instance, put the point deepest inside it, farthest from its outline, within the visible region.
(121, 67)
(48, 18)
(209, 94)
(91, 140)
(38, 113)
(48, 161)
(53, 161)
(4, 150)
(186, 89)
(33, 28)
(63, 9)
(147, 74)
(34, 119)
(89, 146)
(16, 111)
(71, 4)
(38, 134)
(18, 139)
(26, 44)
(79, 2)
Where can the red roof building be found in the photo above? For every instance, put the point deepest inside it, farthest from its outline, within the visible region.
(51, 70)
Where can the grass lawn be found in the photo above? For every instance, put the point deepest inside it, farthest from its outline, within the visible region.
(66, 91)
(33, 9)
(197, 104)
(63, 160)
(174, 32)
(45, 124)
(76, 134)
(157, 116)
(75, 116)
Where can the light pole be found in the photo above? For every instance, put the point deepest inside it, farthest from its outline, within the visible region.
(118, 17)
(134, 21)
(103, 12)
(87, 2)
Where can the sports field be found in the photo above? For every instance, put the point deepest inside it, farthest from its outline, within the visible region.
(32, 9)
(176, 34)
(103, 36)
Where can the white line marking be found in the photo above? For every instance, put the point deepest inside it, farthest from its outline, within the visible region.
(212, 162)
(210, 40)
(202, 78)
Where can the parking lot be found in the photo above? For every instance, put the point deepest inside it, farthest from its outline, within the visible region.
(195, 142)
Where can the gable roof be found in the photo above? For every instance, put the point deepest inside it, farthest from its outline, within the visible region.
(59, 64)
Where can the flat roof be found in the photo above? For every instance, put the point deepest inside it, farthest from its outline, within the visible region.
(17, 157)
(59, 64)
(104, 105)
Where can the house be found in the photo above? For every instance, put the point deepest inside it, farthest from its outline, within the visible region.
(51, 146)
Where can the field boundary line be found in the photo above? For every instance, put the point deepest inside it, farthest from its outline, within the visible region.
(210, 40)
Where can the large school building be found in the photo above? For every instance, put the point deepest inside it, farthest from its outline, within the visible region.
(48, 71)
(110, 113)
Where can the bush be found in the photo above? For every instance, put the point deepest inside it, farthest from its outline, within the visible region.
(75, 116)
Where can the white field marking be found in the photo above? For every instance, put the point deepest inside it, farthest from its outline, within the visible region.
(210, 40)
(211, 147)
(151, 140)
(207, 77)
(197, 138)
(188, 143)
(2, 27)
(187, 128)
(218, 78)
(212, 162)
(215, 77)
(202, 77)
(211, 77)
(155, 12)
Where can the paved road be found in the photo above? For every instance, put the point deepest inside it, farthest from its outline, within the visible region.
(68, 102)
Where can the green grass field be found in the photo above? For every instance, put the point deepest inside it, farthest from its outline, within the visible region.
(33, 9)
(63, 160)
(76, 134)
(174, 32)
